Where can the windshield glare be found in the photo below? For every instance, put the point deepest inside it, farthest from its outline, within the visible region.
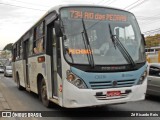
(97, 20)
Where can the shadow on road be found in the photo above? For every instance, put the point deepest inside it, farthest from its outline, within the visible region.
(153, 98)
(99, 111)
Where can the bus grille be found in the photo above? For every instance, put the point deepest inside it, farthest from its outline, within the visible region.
(104, 97)
(108, 84)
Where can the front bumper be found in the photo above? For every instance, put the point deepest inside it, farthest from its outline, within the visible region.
(74, 97)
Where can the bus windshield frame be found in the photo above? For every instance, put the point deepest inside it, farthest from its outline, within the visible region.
(75, 51)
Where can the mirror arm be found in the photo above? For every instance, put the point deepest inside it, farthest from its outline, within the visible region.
(143, 39)
(58, 29)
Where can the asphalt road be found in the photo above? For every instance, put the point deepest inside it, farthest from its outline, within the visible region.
(25, 101)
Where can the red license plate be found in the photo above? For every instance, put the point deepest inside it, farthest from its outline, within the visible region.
(113, 93)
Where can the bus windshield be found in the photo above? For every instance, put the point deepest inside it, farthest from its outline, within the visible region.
(87, 35)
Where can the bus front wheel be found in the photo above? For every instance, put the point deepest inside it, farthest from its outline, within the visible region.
(43, 92)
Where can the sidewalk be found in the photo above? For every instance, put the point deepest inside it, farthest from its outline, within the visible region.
(3, 103)
(4, 106)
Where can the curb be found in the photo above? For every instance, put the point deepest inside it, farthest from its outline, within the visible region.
(4, 105)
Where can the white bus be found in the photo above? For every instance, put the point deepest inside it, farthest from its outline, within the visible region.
(82, 55)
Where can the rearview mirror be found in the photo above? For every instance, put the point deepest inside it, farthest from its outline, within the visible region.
(58, 30)
(143, 38)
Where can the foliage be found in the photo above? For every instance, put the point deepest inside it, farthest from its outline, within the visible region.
(152, 41)
(8, 47)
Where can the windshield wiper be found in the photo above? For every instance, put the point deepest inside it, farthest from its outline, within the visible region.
(87, 45)
(70, 55)
(121, 48)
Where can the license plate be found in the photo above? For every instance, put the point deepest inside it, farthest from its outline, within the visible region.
(113, 93)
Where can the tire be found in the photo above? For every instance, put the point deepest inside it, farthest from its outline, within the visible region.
(43, 94)
(18, 83)
(39, 91)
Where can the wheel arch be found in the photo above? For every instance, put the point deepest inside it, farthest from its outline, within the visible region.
(17, 76)
(39, 79)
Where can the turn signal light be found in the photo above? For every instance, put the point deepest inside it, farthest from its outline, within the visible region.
(70, 77)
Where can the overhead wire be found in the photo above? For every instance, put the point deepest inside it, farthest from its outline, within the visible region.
(111, 2)
(152, 31)
(131, 4)
(29, 3)
(21, 6)
(103, 1)
(137, 5)
(100, 1)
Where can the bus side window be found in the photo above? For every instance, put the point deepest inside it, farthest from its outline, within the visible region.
(14, 53)
(39, 39)
(39, 46)
(30, 45)
(18, 50)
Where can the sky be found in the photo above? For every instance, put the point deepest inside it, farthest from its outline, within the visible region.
(17, 16)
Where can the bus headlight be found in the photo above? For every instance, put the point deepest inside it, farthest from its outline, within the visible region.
(80, 84)
(76, 81)
(142, 78)
(70, 77)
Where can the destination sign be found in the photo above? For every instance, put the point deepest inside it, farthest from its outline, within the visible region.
(79, 51)
(78, 14)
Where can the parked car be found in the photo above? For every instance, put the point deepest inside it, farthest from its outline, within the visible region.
(1, 68)
(2, 62)
(153, 87)
(8, 71)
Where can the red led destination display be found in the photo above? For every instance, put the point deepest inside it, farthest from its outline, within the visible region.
(78, 14)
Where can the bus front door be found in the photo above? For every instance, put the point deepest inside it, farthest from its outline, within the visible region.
(53, 53)
(54, 64)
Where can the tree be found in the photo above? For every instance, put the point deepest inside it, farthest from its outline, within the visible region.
(152, 41)
(8, 47)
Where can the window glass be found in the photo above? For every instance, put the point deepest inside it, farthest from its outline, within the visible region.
(31, 45)
(154, 71)
(83, 26)
(17, 55)
(40, 30)
(39, 39)
(20, 50)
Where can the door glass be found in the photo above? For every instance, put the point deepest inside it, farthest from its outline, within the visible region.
(54, 45)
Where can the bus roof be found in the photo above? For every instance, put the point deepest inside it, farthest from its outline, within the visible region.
(56, 8)
(81, 5)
